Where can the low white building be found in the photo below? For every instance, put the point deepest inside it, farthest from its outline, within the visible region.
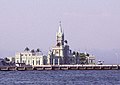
(32, 58)
(91, 59)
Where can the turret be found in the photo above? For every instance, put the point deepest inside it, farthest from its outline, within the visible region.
(60, 36)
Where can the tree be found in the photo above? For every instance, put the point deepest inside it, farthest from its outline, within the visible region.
(87, 54)
(27, 49)
(82, 58)
(33, 51)
(38, 50)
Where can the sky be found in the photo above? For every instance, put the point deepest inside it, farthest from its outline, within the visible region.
(89, 25)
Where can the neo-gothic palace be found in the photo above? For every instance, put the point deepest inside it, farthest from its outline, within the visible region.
(61, 53)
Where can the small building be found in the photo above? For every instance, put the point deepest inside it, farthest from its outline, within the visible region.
(90, 59)
(30, 58)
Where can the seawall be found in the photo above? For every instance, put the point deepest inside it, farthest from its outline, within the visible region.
(60, 67)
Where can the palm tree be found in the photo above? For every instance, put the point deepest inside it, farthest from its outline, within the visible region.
(38, 50)
(82, 58)
(33, 51)
(27, 49)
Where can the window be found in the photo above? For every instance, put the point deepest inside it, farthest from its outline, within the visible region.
(28, 62)
(21, 54)
(17, 61)
(57, 51)
(36, 62)
(39, 62)
(33, 62)
(56, 61)
(24, 61)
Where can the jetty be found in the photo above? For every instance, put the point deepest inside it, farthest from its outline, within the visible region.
(60, 67)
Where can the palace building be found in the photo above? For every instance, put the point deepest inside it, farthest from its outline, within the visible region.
(61, 54)
(29, 57)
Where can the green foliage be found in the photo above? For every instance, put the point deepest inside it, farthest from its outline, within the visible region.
(33, 51)
(38, 50)
(27, 49)
(82, 56)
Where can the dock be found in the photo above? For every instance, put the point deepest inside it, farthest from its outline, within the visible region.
(60, 67)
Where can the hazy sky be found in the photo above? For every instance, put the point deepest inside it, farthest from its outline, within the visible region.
(91, 25)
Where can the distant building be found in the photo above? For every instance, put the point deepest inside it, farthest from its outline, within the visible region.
(6, 62)
(32, 58)
(91, 59)
(61, 53)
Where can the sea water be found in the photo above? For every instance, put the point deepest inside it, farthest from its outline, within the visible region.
(68, 77)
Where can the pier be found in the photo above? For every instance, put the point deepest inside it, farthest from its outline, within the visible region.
(60, 67)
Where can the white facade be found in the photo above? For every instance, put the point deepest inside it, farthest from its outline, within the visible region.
(60, 53)
(91, 59)
(30, 58)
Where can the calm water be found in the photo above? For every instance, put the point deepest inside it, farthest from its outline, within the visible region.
(108, 77)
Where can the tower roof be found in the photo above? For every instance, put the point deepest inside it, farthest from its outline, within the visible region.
(60, 28)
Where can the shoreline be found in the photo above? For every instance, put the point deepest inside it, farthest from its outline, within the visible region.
(60, 67)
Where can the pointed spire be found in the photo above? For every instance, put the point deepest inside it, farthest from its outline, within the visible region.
(60, 28)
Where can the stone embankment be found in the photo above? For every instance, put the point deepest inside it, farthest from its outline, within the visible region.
(60, 67)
